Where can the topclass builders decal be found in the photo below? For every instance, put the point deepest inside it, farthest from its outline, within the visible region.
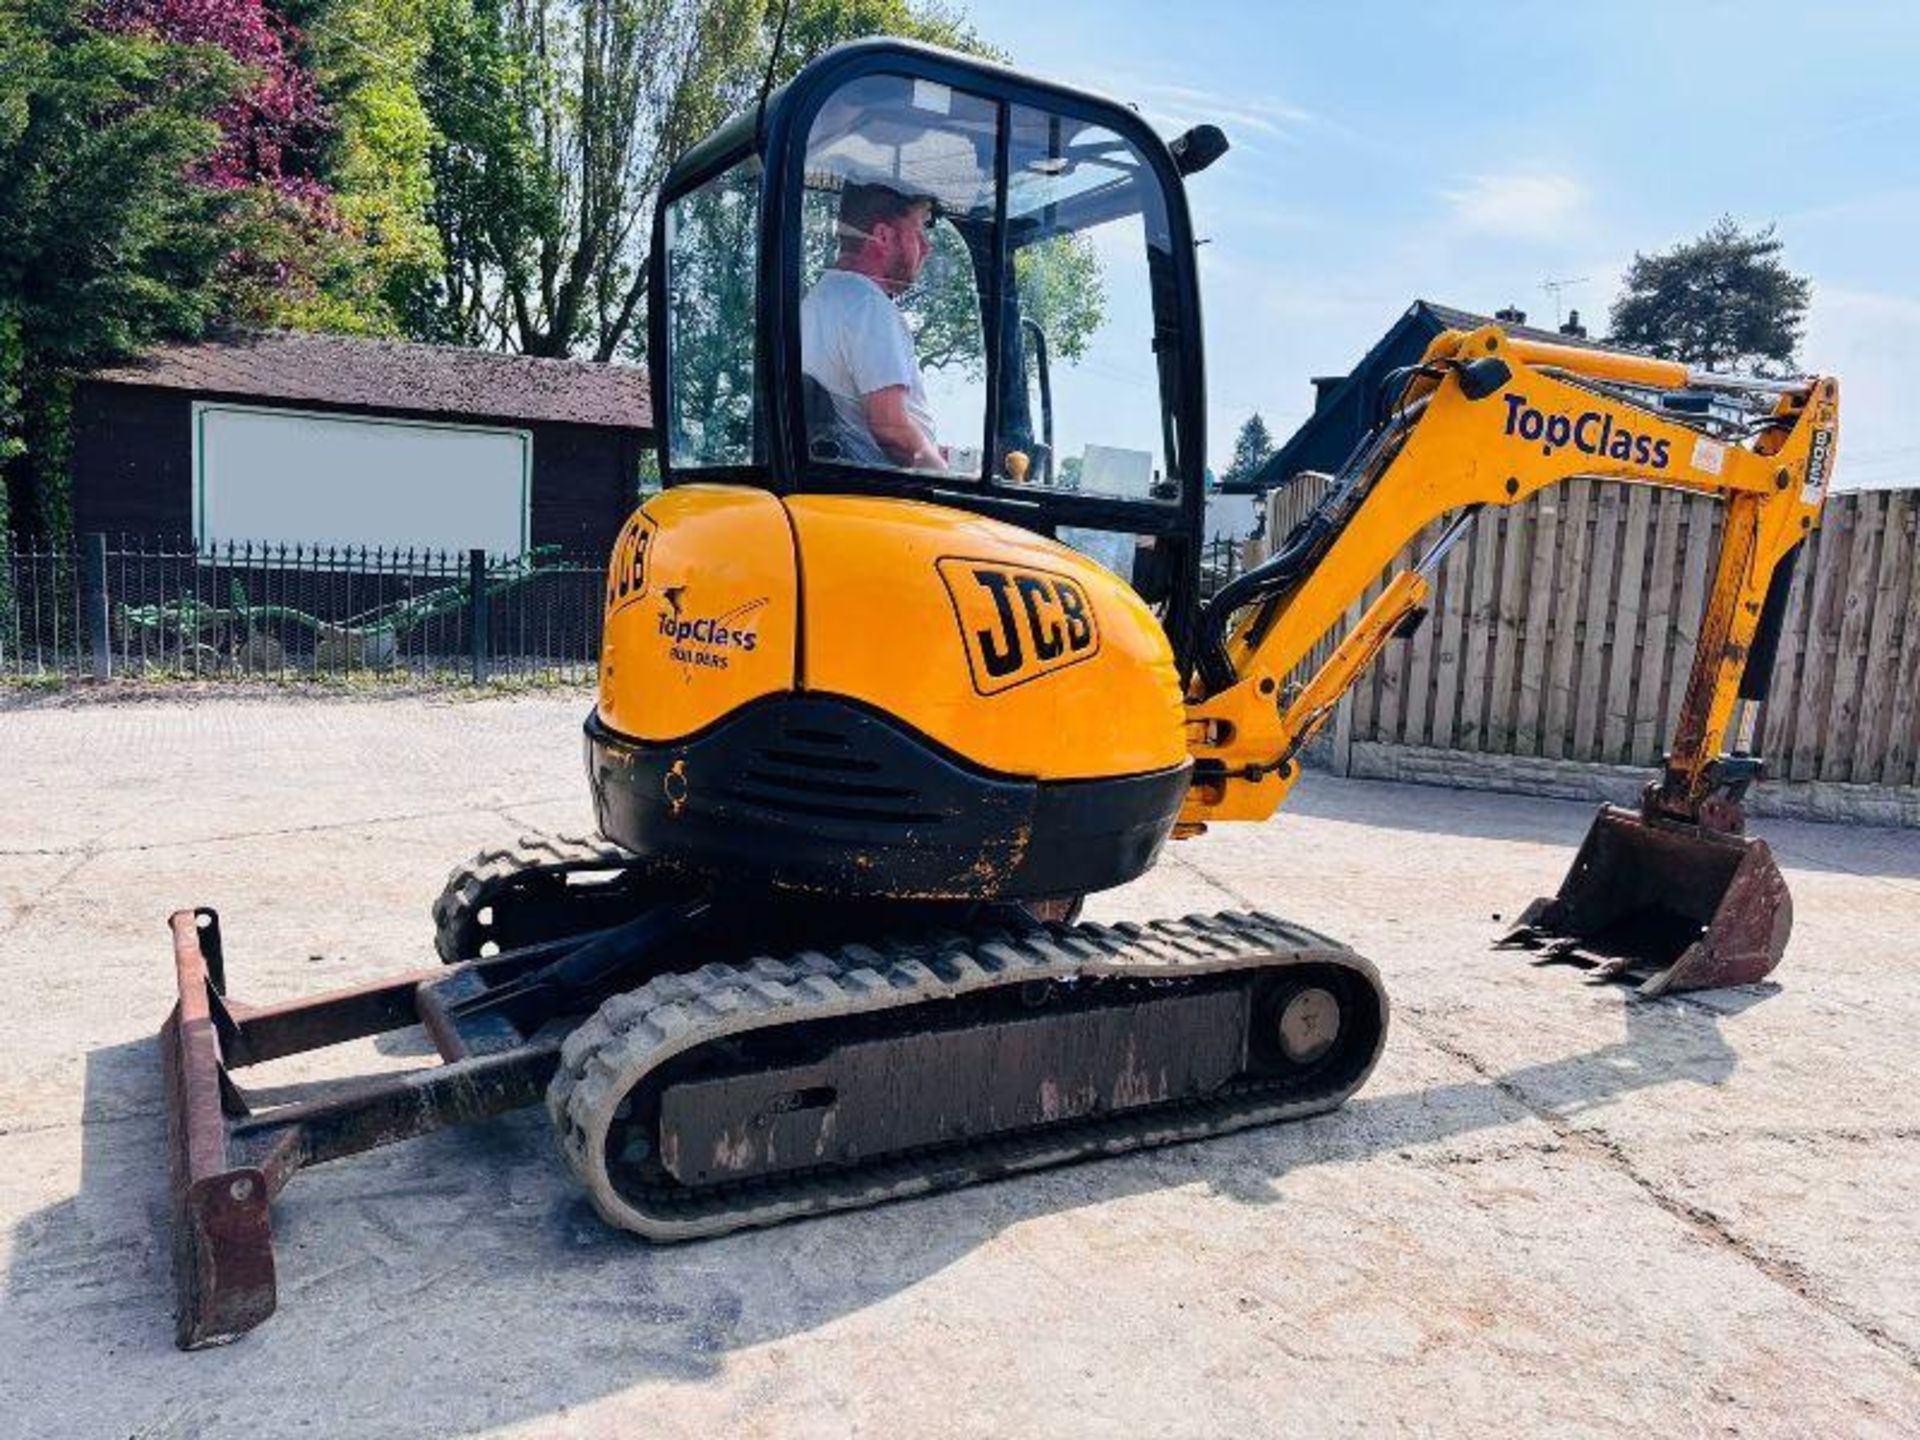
(698, 642)
(705, 642)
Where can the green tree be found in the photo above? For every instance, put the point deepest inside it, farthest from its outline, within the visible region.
(366, 58)
(711, 320)
(491, 199)
(283, 227)
(1252, 448)
(558, 120)
(1062, 288)
(1060, 284)
(104, 245)
(1724, 301)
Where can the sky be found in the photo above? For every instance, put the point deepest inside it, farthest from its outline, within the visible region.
(1472, 153)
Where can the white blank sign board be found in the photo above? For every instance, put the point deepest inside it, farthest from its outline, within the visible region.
(284, 476)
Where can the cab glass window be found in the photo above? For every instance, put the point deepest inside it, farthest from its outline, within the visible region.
(897, 221)
(1082, 404)
(711, 235)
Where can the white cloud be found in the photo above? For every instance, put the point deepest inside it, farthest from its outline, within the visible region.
(1246, 118)
(1871, 341)
(1273, 118)
(1530, 205)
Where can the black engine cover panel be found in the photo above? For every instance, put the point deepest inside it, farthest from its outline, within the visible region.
(819, 793)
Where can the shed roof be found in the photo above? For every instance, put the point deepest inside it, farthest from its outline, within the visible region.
(350, 370)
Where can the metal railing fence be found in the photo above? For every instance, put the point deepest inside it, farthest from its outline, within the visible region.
(141, 607)
(1221, 559)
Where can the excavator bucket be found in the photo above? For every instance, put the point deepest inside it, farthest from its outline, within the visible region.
(1672, 905)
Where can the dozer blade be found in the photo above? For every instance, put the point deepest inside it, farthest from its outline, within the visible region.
(1674, 905)
(222, 1237)
(232, 1154)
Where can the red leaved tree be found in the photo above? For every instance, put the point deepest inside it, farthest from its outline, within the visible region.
(270, 136)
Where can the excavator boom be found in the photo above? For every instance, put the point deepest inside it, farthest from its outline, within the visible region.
(1485, 419)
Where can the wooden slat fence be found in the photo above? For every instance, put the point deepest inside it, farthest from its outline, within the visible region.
(1564, 628)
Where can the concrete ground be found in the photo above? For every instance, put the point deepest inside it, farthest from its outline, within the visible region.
(1553, 1209)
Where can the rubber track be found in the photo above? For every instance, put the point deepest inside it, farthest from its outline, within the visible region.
(473, 885)
(634, 1033)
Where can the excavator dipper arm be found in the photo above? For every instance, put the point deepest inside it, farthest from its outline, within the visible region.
(1485, 419)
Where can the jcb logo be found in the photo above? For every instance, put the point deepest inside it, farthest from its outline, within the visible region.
(627, 572)
(1018, 624)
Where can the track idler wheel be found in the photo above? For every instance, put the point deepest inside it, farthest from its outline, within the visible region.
(1672, 905)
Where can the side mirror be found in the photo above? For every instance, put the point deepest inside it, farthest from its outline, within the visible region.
(1198, 148)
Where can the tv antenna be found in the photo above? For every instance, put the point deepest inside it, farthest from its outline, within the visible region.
(1554, 287)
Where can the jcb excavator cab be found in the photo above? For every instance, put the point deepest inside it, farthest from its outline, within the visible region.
(1055, 325)
(914, 612)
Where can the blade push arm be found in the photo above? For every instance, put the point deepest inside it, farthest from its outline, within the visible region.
(1488, 420)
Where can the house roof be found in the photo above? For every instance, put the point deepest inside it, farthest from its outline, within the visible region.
(349, 370)
(1343, 408)
(1452, 319)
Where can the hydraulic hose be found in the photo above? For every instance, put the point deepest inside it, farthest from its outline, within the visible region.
(1280, 572)
(1272, 577)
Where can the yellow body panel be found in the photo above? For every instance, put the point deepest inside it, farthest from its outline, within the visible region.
(1006, 647)
(701, 611)
(1010, 650)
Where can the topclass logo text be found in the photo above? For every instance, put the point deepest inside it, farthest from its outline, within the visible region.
(1591, 433)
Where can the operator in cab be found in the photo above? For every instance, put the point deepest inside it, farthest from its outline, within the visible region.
(854, 342)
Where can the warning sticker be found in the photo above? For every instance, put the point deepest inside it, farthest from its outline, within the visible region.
(1709, 455)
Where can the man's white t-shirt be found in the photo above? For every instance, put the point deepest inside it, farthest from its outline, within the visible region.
(854, 341)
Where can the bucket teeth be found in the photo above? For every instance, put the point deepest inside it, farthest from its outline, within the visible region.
(1670, 905)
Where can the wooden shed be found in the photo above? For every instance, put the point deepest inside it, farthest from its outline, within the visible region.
(338, 440)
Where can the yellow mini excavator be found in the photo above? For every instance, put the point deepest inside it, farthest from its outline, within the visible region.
(910, 655)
